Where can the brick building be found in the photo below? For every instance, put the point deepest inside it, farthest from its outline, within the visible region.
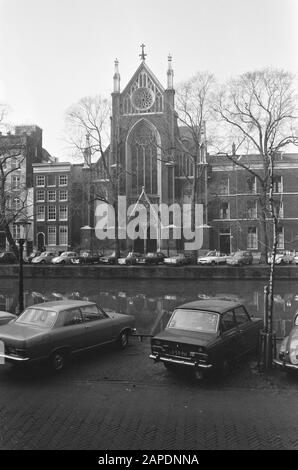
(18, 152)
(61, 207)
(233, 201)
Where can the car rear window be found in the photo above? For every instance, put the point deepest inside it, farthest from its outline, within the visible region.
(38, 317)
(194, 320)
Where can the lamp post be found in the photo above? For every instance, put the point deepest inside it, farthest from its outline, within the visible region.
(24, 225)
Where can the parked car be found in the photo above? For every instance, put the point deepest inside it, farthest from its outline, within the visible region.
(87, 257)
(152, 258)
(54, 331)
(296, 258)
(29, 258)
(206, 335)
(8, 257)
(213, 257)
(45, 257)
(66, 257)
(176, 260)
(6, 317)
(288, 352)
(130, 259)
(282, 257)
(109, 259)
(239, 258)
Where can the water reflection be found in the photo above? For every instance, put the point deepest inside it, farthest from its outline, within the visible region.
(151, 302)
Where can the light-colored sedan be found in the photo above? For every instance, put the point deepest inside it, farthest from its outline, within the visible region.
(282, 257)
(54, 331)
(213, 257)
(66, 257)
(44, 258)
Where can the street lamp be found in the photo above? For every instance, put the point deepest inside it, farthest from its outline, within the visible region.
(24, 225)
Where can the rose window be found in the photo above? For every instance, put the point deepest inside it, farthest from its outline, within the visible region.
(143, 98)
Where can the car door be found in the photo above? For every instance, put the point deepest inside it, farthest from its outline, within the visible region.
(231, 341)
(99, 327)
(248, 329)
(69, 331)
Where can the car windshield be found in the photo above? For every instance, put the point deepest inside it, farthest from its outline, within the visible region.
(150, 255)
(194, 320)
(38, 317)
(211, 253)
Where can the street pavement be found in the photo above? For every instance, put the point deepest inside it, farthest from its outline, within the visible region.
(116, 400)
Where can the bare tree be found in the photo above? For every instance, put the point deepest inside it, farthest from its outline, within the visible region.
(90, 118)
(259, 111)
(194, 107)
(14, 201)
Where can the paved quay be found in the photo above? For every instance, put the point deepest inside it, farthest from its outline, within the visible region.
(108, 400)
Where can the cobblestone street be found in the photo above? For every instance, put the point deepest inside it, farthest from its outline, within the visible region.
(109, 400)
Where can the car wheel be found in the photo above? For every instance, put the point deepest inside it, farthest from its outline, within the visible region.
(58, 360)
(122, 341)
(213, 263)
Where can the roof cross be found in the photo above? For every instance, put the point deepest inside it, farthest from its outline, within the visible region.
(143, 55)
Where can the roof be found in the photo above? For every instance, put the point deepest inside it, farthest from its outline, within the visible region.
(60, 305)
(214, 305)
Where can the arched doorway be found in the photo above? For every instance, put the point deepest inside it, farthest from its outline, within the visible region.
(146, 245)
(40, 241)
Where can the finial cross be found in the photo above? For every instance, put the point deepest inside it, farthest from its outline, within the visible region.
(143, 55)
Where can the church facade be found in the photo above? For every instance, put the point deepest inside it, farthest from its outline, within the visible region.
(143, 153)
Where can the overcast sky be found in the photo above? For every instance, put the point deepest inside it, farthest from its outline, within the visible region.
(53, 52)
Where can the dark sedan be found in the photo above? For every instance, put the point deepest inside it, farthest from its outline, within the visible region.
(206, 335)
(8, 257)
(54, 330)
(152, 258)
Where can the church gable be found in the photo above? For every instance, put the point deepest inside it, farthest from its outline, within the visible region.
(143, 94)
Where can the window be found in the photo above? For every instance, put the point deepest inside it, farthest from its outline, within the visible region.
(51, 212)
(92, 312)
(52, 195)
(72, 317)
(15, 181)
(251, 184)
(16, 204)
(63, 212)
(277, 184)
(280, 238)
(40, 180)
(224, 210)
(223, 187)
(16, 232)
(252, 238)
(63, 195)
(40, 195)
(63, 235)
(241, 315)
(51, 180)
(14, 163)
(251, 209)
(52, 235)
(63, 180)
(228, 321)
(40, 213)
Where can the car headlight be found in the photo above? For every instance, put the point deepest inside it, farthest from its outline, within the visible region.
(293, 352)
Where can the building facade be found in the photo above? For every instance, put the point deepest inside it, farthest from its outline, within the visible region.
(234, 204)
(18, 152)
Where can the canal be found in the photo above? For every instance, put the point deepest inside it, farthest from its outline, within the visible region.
(151, 301)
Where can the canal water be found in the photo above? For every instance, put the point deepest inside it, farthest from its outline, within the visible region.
(151, 302)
